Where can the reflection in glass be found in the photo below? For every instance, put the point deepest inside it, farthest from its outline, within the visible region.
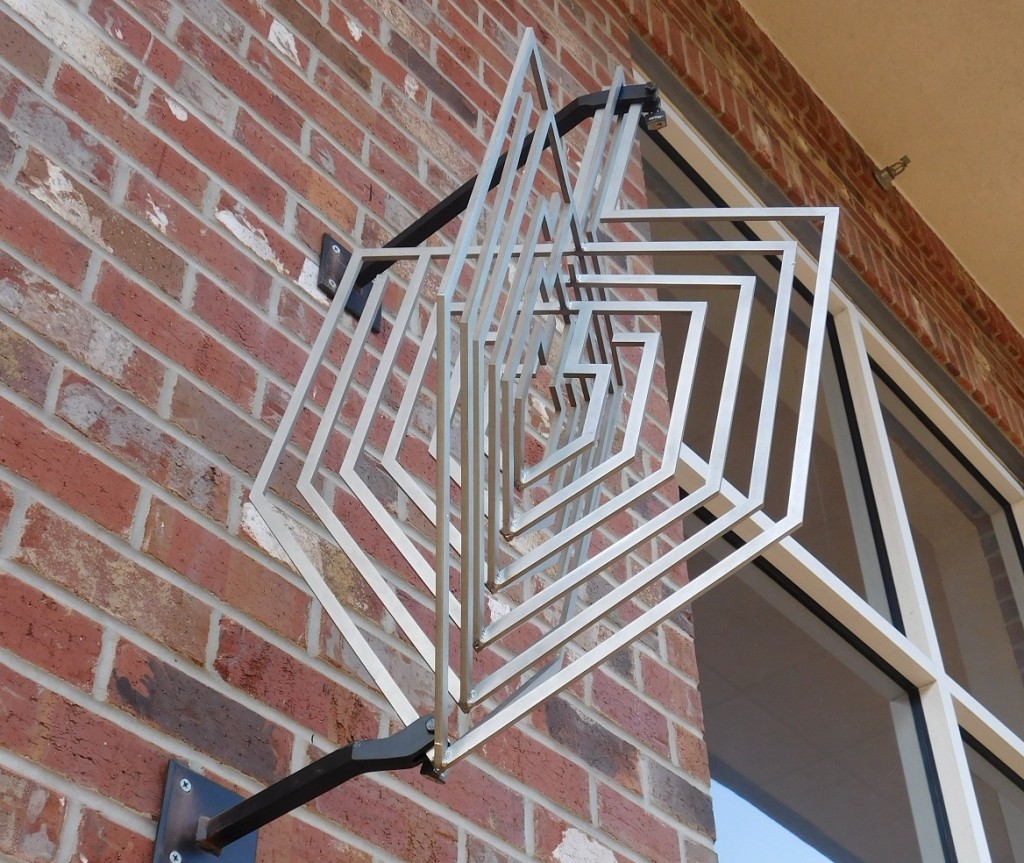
(806, 730)
(1002, 809)
(839, 526)
(968, 551)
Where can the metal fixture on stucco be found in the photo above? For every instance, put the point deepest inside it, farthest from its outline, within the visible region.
(886, 175)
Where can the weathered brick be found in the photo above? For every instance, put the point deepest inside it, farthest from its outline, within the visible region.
(92, 217)
(62, 139)
(6, 505)
(433, 79)
(31, 818)
(681, 799)
(323, 40)
(68, 556)
(186, 708)
(288, 839)
(60, 468)
(208, 561)
(157, 323)
(70, 326)
(46, 633)
(8, 147)
(289, 685)
(556, 841)
(74, 742)
(100, 839)
(140, 444)
(133, 139)
(240, 82)
(216, 155)
(24, 368)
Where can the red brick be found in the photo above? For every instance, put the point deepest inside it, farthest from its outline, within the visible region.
(72, 741)
(289, 685)
(61, 469)
(324, 193)
(132, 245)
(22, 50)
(635, 827)
(139, 444)
(183, 707)
(682, 799)
(156, 322)
(47, 634)
(101, 840)
(31, 818)
(36, 235)
(68, 556)
(515, 753)
(24, 368)
(288, 839)
(130, 137)
(343, 58)
(240, 82)
(209, 421)
(208, 561)
(64, 140)
(555, 840)
(216, 155)
(675, 694)
(71, 327)
(637, 718)
(394, 823)
(6, 505)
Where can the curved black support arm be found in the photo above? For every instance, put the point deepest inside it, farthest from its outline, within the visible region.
(577, 111)
(200, 819)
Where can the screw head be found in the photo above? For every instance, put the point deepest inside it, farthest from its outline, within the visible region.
(430, 725)
(174, 857)
(185, 785)
(336, 249)
(332, 283)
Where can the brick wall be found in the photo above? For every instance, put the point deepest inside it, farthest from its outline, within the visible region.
(167, 168)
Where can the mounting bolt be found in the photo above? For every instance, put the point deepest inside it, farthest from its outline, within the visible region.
(336, 249)
(332, 283)
(174, 857)
(185, 785)
(430, 725)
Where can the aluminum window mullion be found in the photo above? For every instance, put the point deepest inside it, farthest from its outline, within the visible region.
(937, 702)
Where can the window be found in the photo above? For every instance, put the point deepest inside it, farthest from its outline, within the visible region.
(863, 682)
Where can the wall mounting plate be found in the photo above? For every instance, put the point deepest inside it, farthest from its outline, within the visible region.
(187, 796)
(334, 258)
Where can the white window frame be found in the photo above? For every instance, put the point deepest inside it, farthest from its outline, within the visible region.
(946, 705)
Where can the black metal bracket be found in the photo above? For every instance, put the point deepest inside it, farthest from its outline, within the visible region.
(577, 111)
(201, 821)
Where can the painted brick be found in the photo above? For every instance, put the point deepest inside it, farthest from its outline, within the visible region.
(46, 633)
(136, 442)
(263, 671)
(100, 839)
(156, 322)
(71, 201)
(60, 468)
(208, 561)
(106, 579)
(24, 368)
(31, 818)
(67, 324)
(75, 743)
(184, 707)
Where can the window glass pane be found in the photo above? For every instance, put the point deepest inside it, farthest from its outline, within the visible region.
(817, 741)
(968, 551)
(1002, 809)
(839, 526)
